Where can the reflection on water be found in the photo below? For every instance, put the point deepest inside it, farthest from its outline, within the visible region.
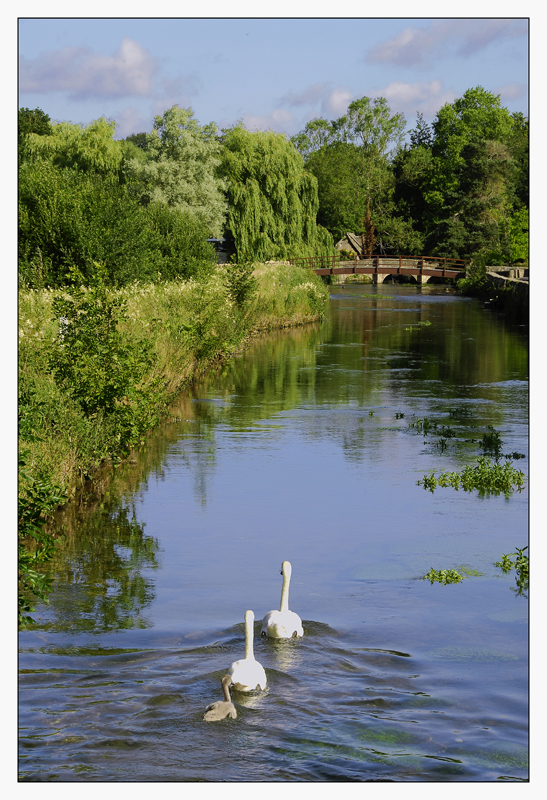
(102, 574)
(306, 447)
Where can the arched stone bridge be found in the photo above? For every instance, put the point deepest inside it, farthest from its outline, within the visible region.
(421, 268)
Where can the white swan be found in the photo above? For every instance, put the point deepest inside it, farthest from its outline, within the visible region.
(247, 674)
(283, 624)
(222, 708)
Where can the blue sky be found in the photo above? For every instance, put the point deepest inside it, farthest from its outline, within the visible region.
(270, 73)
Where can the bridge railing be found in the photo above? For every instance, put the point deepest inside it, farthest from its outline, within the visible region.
(378, 261)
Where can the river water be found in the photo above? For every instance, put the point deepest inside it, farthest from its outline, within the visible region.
(307, 447)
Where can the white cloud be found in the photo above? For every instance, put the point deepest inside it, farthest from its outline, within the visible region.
(513, 91)
(415, 45)
(83, 73)
(277, 120)
(337, 102)
(409, 98)
(328, 102)
(129, 121)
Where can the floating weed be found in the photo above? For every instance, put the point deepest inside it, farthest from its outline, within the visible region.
(505, 564)
(471, 573)
(399, 415)
(487, 477)
(491, 442)
(371, 413)
(447, 432)
(423, 425)
(443, 576)
(520, 564)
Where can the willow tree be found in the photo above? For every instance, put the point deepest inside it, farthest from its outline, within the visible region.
(272, 200)
(87, 148)
(181, 168)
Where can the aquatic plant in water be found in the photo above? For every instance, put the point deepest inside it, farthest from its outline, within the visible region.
(443, 576)
(487, 477)
(520, 564)
(491, 442)
(422, 425)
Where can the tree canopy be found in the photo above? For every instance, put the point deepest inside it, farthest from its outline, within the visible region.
(89, 148)
(272, 200)
(351, 159)
(181, 168)
(452, 190)
(147, 204)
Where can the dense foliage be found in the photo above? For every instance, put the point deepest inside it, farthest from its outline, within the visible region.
(459, 188)
(180, 169)
(77, 208)
(272, 200)
(146, 205)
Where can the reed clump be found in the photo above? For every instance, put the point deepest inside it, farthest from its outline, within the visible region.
(488, 477)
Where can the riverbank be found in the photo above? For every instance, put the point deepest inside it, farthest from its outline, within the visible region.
(501, 290)
(99, 368)
(185, 326)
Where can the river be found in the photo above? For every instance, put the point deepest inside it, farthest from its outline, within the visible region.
(307, 447)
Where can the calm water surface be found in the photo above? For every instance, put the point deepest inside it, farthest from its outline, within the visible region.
(308, 448)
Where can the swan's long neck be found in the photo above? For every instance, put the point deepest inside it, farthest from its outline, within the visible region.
(225, 689)
(249, 634)
(285, 589)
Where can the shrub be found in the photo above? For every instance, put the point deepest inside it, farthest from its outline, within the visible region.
(69, 218)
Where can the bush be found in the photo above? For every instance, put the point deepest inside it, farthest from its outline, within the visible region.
(94, 362)
(69, 218)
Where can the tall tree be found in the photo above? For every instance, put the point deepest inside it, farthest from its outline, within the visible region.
(470, 192)
(181, 169)
(351, 159)
(272, 200)
(88, 148)
(31, 120)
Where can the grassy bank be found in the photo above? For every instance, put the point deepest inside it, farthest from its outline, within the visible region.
(99, 367)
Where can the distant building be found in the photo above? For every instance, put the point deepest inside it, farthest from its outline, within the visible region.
(220, 250)
(352, 243)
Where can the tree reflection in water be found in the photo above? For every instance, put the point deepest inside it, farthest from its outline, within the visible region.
(100, 574)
